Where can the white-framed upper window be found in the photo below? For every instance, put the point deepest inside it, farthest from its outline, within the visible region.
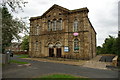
(54, 25)
(75, 26)
(60, 24)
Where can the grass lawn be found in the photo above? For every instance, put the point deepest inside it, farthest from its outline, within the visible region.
(14, 61)
(61, 77)
(23, 56)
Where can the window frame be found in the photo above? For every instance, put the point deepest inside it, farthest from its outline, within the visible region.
(49, 25)
(54, 24)
(75, 25)
(76, 45)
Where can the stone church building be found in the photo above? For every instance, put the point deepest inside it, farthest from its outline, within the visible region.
(61, 32)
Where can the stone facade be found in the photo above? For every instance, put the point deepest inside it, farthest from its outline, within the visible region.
(51, 35)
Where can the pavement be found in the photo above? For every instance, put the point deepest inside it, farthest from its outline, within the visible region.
(40, 68)
(93, 63)
(96, 62)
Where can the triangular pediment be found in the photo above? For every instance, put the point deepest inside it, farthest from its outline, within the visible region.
(59, 9)
(55, 7)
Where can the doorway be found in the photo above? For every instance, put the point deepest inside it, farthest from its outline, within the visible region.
(51, 52)
(58, 52)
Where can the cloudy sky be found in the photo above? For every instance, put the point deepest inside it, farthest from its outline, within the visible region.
(103, 14)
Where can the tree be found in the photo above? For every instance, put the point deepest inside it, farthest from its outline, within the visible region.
(99, 48)
(10, 28)
(117, 44)
(14, 4)
(109, 45)
(25, 43)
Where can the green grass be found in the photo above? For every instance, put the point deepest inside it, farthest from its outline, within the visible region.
(23, 56)
(19, 62)
(61, 77)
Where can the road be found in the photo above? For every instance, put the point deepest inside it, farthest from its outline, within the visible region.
(39, 68)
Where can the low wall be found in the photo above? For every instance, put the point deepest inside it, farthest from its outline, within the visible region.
(114, 61)
(20, 52)
(5, 58)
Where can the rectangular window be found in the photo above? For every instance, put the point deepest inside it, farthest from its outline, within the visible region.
(54, 25)
(49, 25)
(37, 30)
(75, 26)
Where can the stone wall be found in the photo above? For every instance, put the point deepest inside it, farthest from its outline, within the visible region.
(86, 37)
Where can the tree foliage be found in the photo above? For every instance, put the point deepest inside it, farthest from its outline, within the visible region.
(111, 45)
(10, 28)
(14, 4)
(25, 43)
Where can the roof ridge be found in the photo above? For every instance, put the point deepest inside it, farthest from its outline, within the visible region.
(60, 7)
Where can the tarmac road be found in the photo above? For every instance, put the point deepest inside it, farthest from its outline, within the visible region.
(39, 68)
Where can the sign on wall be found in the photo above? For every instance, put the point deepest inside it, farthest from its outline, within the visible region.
(66, 49)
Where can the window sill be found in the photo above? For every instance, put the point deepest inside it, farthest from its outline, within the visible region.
(76, 51)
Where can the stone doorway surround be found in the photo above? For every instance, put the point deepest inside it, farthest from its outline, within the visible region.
(58, 49)
(55, 50)
(58, 52)
(51, 50)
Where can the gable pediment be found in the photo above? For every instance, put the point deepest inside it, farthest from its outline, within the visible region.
(55, 8)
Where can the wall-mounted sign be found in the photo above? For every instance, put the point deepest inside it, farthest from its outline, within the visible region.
(75, 34)
(66, 49)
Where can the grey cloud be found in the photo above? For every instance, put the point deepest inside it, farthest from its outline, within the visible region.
(103, 17)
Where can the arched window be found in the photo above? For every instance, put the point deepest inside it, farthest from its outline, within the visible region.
(75, 26)
(60, 24)
(49, 25)
(76, 45)
(54, 25)
(37, 30)
(36, 45)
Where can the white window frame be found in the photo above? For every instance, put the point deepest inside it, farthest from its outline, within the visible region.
(75, 26)
(76, 44)
(54, 24)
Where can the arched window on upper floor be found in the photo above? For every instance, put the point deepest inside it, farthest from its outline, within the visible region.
(49, 25)
(75, 25)
(54, 25)
(37, 29)
(60, 24)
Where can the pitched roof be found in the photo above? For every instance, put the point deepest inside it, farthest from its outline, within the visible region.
(62, 8)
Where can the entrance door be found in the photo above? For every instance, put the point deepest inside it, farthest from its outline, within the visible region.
(51, 52)
(58, 54)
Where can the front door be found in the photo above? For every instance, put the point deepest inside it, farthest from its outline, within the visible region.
(58, 52)
(51, 52)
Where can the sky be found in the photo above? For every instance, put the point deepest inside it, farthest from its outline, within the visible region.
(103, 14)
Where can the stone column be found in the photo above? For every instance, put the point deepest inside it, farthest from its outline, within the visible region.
(55, 53)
